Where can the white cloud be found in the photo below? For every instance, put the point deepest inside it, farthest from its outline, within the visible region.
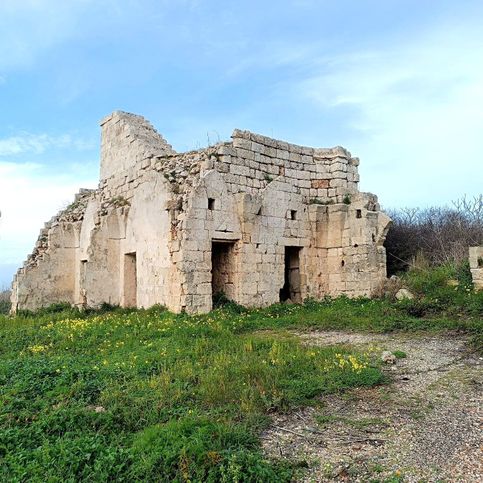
(39, 143)
(29, 196)
(416, 113)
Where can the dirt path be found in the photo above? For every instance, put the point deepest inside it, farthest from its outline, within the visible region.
(426, 425)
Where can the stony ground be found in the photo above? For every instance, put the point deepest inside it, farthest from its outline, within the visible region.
(425, 425)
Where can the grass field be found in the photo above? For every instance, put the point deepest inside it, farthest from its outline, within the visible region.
(147, 395)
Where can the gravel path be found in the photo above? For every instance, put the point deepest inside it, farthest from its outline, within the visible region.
(426, 425)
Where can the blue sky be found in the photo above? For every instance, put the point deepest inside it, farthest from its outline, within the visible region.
(399, 83)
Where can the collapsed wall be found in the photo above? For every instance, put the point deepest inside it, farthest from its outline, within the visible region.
(77, 257)
(258, 219)
(48, 272)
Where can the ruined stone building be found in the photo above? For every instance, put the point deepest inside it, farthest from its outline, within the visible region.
(257, 219)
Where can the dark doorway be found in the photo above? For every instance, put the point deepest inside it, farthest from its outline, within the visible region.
(291, 287)
(223, 269)
(130, 280)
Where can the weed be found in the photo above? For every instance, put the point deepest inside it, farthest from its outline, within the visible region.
(323, 420)
(221, 300)
(317, 201)
(118, 201)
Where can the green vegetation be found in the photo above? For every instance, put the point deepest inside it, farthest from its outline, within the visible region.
(4, 301)
(399, 354)
(317, 201)
(147, 395)
(118, 201)
(347, 199)
(4, 306)
(151, 396)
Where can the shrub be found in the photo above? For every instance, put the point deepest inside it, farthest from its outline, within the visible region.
(347, 199)
(4, 301)
(441, 235)
(444, 289)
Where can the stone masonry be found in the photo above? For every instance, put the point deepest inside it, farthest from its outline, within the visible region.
(257, 219)
(476, 266)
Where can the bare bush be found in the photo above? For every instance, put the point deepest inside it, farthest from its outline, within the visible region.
(388, 287)
(437, 234)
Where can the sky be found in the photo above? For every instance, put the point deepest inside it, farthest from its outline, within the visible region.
(397, 82)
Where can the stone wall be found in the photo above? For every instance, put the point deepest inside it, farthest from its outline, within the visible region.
(267, 195)
(126, 141)
(476, 266)
(156, 215)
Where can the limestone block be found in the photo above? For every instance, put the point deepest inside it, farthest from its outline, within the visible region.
(271, 169)
(477, 276)
(240, 170)
(268, 151)
(227, 150)
(282, 154)
(320, 183)
(294, 148)
(244, 154)
(338, 183)
(475, 255)
(339, 175)
(476, 266)
(241, 143)
(303, 183)
(293, 156)
(257, 147)
(305, 191)
(305, 175)
(264, 160)
(403, 294)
